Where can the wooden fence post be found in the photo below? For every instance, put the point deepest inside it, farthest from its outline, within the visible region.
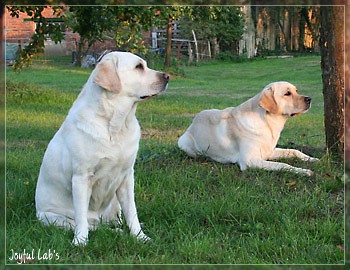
(195, 45)
(190, 53)
(168, 45)
(209, 49)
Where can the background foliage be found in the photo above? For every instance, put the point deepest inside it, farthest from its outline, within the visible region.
(125, 25)
(225, 24)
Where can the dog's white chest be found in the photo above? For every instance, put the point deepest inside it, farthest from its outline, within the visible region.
(111, 170)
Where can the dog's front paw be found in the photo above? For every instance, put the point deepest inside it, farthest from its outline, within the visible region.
(308, 172)
(143, 237)
(311, 159)
(80, 239)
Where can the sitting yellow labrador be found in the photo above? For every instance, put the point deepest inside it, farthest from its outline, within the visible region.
(248, 134)
(87, 173)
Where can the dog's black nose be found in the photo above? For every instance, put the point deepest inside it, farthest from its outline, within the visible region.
(166, 76)
(307, 99)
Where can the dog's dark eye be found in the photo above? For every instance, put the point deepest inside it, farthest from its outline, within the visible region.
(288, 93)
(139, 66)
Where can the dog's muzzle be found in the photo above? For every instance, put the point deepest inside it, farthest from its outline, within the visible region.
(307, 101)
(164, 82)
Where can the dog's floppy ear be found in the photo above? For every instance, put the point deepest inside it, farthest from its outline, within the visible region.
(268, 101)
(107, 76)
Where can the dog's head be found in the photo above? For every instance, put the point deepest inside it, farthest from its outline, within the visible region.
(128, 75)
(283, 98)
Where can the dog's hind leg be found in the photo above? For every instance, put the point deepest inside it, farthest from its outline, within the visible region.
(275, 166)
(50, 218)
(289, 153)
(113, 212)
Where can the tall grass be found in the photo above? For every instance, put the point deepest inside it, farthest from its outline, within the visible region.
(196, 211)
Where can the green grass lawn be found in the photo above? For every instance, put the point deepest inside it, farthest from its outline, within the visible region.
(196, 211)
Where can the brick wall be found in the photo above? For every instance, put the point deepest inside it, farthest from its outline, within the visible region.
(16, 29)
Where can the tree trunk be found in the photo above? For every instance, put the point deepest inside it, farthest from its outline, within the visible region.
(168, 44)
(79, 53)
(287, 28)
(332, 63)
(295, 34)
(347, 88)
(216, 47)
(303, 17)
(247, 44)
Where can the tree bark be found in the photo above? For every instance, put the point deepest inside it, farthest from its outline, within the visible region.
(248, 38)
(303, 17)
(332, 63)
(347, 87)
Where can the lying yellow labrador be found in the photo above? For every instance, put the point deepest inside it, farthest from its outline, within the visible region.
(248, 134)
(87, 173)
